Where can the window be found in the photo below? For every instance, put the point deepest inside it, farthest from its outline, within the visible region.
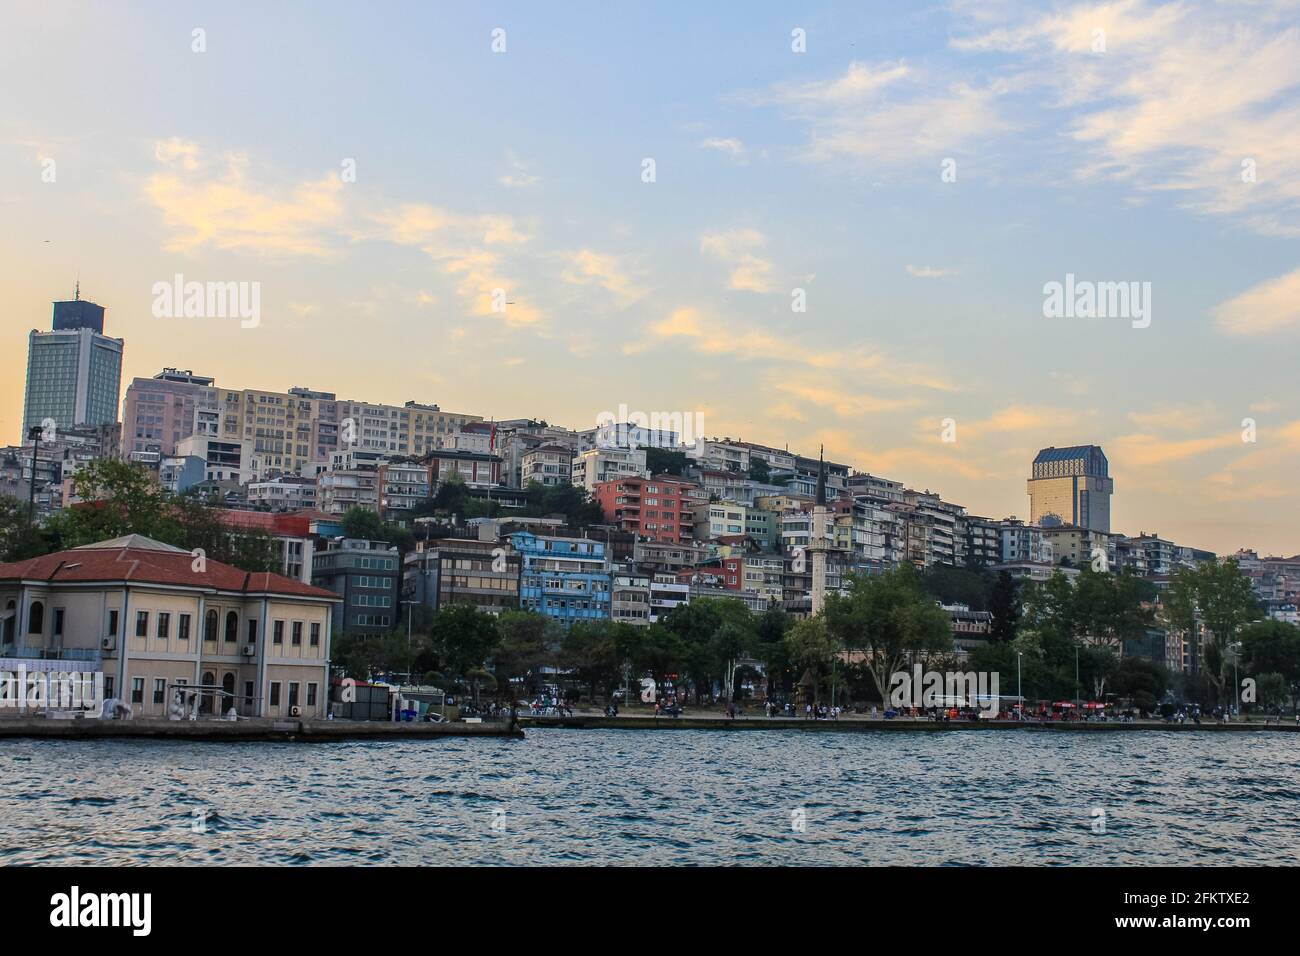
(311, 695)
(108, 686)
(58, 621)
(293, 693)
(159, 690)
(164, 625)
(232, 627)
(297, 633)
(315, 634)
(137, 690)
(252, 630)
(210, 626)
(141, 623)
(275, 693)
(248, 693)
(277, 633)
(36, 618)
(112, 623)
(183, 629)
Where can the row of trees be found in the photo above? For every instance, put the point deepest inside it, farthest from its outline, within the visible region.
(123, 498)
(1063, 641)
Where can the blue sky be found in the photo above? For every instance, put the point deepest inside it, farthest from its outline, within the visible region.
(775, 171)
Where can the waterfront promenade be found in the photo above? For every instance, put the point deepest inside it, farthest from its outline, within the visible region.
(705, 720)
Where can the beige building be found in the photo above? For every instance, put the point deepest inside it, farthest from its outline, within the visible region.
(154, 618)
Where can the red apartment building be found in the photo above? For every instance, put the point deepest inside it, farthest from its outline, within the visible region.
(659, 508)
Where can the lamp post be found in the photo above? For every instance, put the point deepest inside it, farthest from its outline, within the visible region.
(1019, 693)
(1076, 676)
(34, 433)
(1235, 649)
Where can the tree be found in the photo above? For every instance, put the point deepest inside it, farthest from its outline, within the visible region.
(1142, 681)
(662, 461)
(759, 470)
(464, 638)
(891, 619)
(526, 639)
(1004, 605)
(590, 649)
(813, 649)
(20, 537)
(953, 585)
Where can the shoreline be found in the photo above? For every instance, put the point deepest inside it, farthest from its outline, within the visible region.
(866, 725)
(255, 729)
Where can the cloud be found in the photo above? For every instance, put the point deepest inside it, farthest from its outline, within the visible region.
(1199, 100)
(471, 248)
(730, 145)
(518, 176)
(587, 267)
(710, 335)
(212, 203)
(1271, 306)
(889, 114)
(736, 248)
(1177, 417)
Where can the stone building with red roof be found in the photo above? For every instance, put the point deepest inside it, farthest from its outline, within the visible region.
(157, 619)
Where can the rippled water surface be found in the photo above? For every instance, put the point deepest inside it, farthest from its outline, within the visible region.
(680, 797)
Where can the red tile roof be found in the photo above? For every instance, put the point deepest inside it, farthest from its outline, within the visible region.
(119, 563)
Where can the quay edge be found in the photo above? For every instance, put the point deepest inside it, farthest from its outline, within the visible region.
(596, 722)
(266, 729)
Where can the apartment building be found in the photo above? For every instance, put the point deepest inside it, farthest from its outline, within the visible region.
(630, 595)
(366, 576)
(403, 486)
(1067, 544)
(567, 579)
(596, 465)
(283, 493)
(661, 508)
(548, 465)
(158, 412)
(482, 574)
(479, 471)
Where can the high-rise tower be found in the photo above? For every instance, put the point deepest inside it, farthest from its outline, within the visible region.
(1071, 486)
(74, 371)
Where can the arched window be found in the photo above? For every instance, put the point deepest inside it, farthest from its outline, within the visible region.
(210, 625)
(36, 618)
(232, 627)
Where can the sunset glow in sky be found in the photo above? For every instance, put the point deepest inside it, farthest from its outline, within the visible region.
(1171, 156)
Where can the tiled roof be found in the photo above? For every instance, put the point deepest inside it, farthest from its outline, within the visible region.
(135, 559)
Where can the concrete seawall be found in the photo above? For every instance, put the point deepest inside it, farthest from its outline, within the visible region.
(253, 729)
(852, 725)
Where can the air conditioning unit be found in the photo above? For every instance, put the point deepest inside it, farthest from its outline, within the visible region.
(108, 644)
(295, 711)
(250, 650)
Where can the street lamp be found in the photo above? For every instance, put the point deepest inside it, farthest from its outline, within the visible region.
(1235, 648)
(34, 433)
(1019, 693)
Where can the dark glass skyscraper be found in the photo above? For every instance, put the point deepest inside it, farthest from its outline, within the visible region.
(74, 371)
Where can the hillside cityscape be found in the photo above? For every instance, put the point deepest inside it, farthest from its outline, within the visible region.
(408, 515)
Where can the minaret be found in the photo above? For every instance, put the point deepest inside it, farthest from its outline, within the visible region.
(819, 540)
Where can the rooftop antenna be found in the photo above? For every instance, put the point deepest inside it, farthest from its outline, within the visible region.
(77, 297)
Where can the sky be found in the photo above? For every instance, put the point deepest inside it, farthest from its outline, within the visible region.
(808, 223)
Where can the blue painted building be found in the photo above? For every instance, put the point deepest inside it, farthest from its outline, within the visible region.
(567, 579)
